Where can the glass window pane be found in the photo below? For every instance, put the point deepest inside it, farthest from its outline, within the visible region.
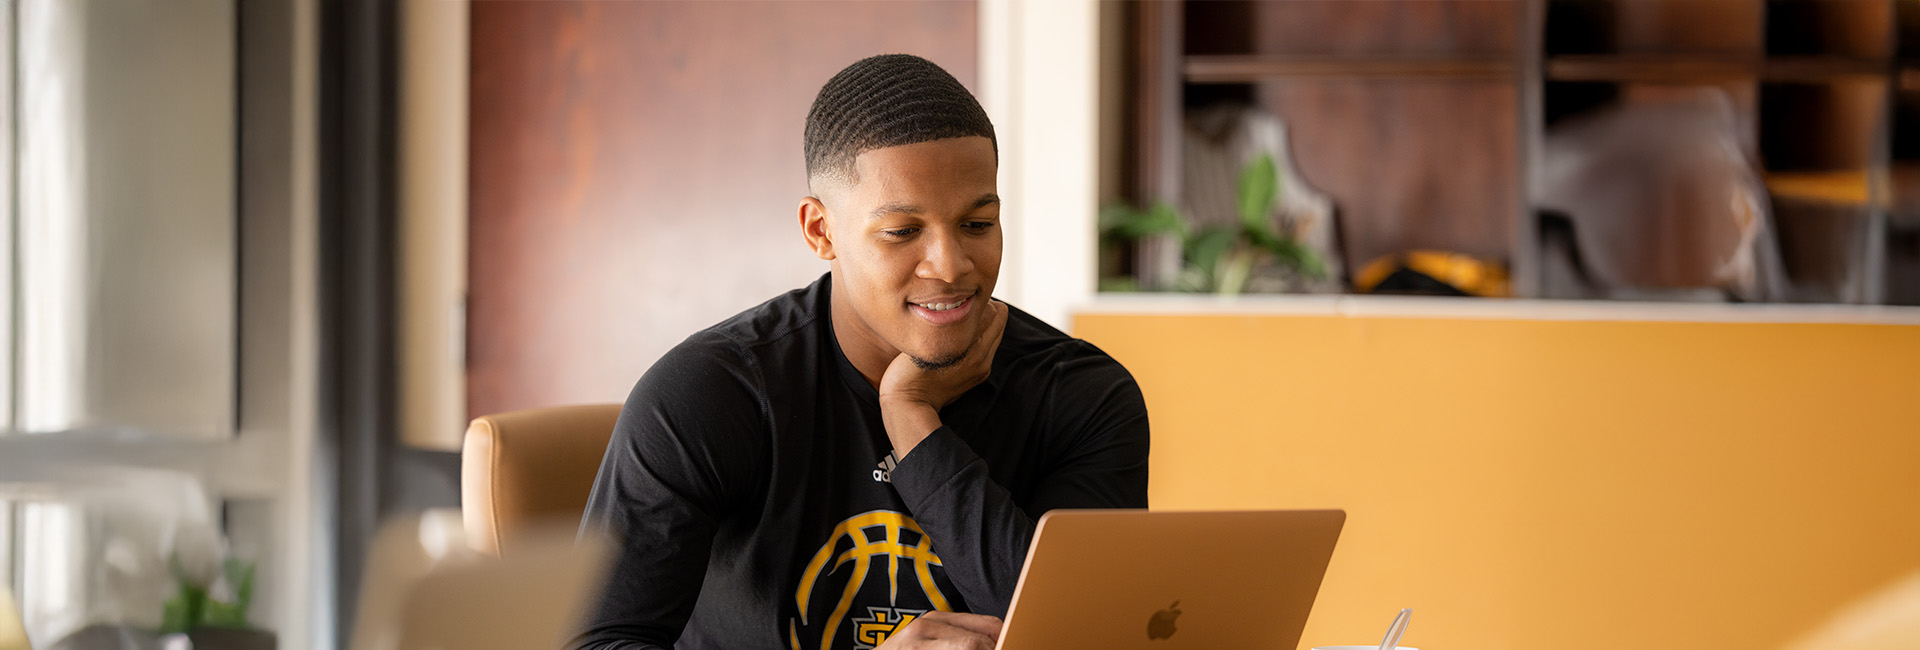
(52, 571)
(6, 220)
(7, 560)
(126, 215)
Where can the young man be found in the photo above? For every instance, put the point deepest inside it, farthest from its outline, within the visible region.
(860, 463)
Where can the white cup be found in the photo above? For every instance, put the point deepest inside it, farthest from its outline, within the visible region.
(1359, 647)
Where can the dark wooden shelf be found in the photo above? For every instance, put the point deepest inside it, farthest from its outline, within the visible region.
(1655, 69)
(1823, 68)
(1709, 69)
(1218, 69)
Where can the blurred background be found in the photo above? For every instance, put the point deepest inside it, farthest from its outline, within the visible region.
(1596, 315)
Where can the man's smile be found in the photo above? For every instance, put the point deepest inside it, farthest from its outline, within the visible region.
(943, 310)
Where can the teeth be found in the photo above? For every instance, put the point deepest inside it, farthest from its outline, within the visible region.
(940, 306)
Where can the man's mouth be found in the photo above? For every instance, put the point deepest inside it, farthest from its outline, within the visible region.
(943, 310)
(941, 306)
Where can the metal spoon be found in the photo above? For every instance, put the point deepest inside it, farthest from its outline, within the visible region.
(1399, 627)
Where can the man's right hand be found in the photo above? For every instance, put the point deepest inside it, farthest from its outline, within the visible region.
(946, 631)
(911, 397)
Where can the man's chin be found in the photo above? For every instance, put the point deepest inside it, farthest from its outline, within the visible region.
(939, 348)
(937, 362)
(936, 352)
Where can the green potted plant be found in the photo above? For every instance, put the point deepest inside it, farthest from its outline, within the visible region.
(212, 609)
(1218, 258)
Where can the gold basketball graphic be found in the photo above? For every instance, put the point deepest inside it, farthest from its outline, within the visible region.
(855, 548)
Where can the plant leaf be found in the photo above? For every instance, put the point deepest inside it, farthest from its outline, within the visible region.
(1259, 185)
(1191, 279)
(1239, 266)
(1114, 216)
(1123, 220)
(1166, 219)
(1204, 249)
(183, 611)
(1119, 284)
(1300, 259)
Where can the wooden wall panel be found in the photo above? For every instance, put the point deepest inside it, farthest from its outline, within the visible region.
(1438, 28)
(1410, 164)
(1731, 28)
(1441, 28)
(635, 172)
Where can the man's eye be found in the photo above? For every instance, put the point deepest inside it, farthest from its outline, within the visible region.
(900, 232)
(979, 226)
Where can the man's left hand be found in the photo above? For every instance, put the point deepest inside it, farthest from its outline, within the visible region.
(946, 631)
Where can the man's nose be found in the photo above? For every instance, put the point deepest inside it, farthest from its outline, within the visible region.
(944, 259)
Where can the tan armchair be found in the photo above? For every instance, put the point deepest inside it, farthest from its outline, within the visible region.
(528, 467)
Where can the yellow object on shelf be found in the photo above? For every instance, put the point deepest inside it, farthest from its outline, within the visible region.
(1848, 187)
(1469, 274)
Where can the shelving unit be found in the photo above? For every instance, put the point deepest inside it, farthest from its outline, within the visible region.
(1424, 119)
(1230, 69)
(1903, 169)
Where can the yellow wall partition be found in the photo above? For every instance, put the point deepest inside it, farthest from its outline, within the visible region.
(1533, 477)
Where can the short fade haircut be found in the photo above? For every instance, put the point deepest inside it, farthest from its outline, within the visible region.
(888, 101)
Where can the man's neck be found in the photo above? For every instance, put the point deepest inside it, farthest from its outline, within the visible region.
(869, 355)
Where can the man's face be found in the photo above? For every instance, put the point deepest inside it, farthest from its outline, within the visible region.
(915, 244)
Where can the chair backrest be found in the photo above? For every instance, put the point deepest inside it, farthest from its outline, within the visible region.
(530, 466)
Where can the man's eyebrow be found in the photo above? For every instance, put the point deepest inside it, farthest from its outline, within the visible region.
(896, 207)
(901, 207)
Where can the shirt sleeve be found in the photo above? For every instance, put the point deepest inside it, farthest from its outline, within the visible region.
(979, 531)
(686, 447)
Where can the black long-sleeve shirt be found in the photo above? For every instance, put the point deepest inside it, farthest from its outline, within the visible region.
(759, 505)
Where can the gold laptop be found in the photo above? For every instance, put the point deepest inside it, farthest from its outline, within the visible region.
(1123, 579)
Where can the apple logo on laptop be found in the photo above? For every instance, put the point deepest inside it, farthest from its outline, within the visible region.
(1161, 625)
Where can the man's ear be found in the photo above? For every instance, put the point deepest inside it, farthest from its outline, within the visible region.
(813, 227)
